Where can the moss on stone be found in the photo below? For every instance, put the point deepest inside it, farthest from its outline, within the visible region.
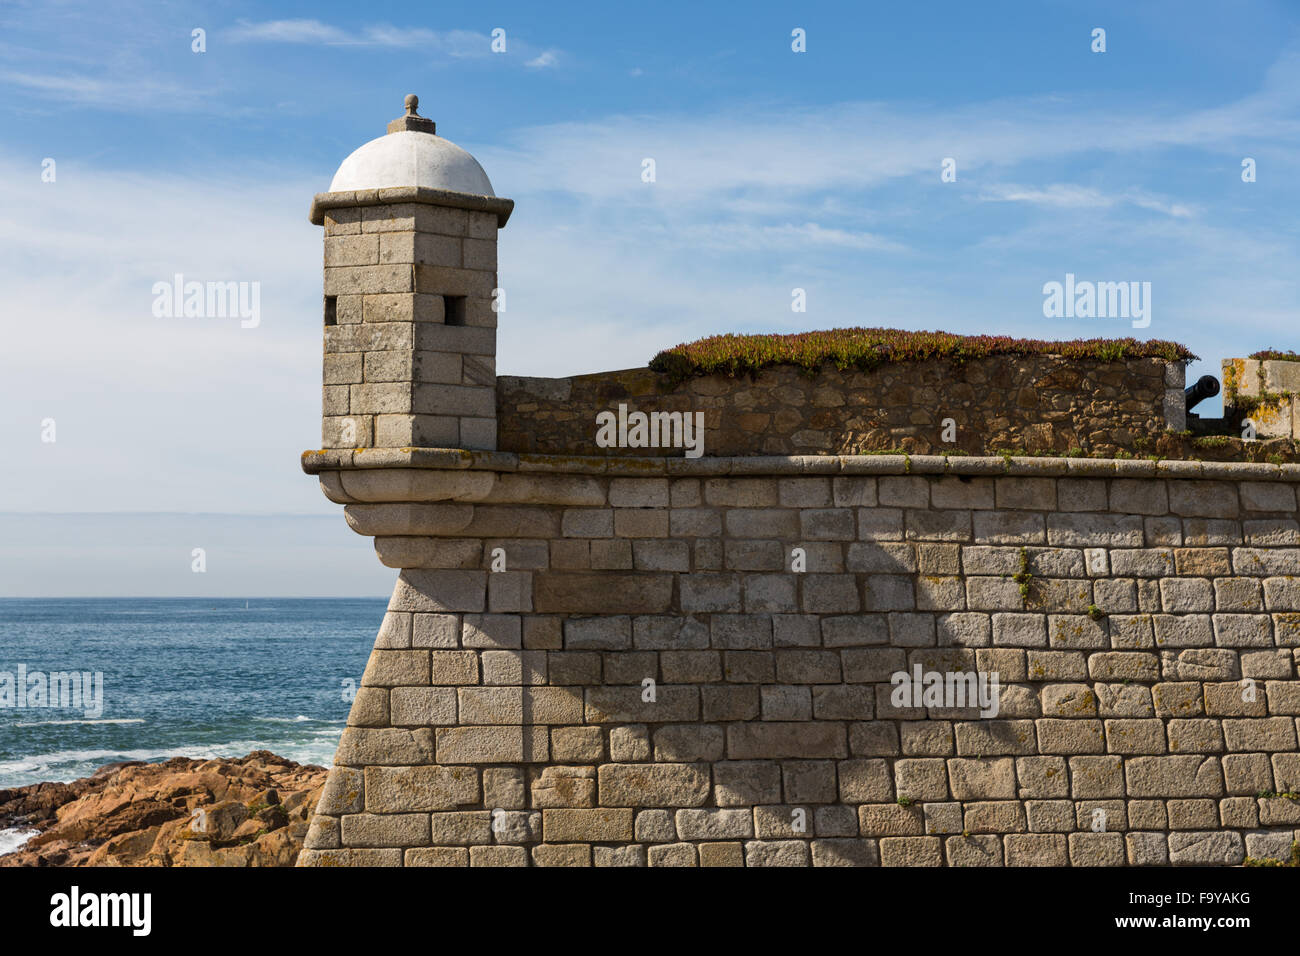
(1024, 577)
(1267, 861)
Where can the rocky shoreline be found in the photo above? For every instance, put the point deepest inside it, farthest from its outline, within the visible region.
(250, 811)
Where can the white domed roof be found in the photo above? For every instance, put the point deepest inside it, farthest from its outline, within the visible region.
(412, 158)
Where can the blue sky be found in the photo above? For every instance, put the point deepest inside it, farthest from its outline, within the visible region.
(775, 170)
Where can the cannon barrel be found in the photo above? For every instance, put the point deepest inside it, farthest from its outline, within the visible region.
(1207, 386)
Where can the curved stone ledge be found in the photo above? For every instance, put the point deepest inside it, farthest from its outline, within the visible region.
(403, 518)
(325, 461)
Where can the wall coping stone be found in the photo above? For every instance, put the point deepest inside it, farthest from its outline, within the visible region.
(400, 194)
(457, 459)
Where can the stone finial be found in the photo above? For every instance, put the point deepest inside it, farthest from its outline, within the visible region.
(412, 120)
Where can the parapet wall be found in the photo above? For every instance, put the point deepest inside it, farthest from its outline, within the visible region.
(647, 678)
(1267, 393)
(1035, 403)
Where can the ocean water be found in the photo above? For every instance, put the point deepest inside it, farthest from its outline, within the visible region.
(182, 677)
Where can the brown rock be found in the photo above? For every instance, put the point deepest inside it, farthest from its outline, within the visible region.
(231, 812)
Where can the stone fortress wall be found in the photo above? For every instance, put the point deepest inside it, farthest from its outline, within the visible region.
(613, 659)
(1037, 403)
(1144, 623)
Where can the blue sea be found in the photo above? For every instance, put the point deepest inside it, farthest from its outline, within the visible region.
(182, 678)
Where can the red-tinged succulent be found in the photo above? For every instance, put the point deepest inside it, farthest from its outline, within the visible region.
(865, 349)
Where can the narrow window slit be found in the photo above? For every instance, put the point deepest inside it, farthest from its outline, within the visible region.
(454, 309)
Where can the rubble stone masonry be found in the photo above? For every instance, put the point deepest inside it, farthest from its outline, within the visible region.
(613, 662)
(1034, 403)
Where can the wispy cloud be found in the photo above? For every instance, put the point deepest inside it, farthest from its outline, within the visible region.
(1069, 196)
(314, 32)
(846, 201)
(1170, 207)
(736, 236)
(1060, 195)
(290, 31)
(108, 91)
(460, 44)
(851, 147)
(129, 78)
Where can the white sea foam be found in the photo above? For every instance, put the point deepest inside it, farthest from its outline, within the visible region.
(67, 765)
(13, 838)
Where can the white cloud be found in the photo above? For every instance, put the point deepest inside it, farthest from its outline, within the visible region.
(290, 31)
(1069, 196)
(1169, 207)
(109, 91)
(1062, 195)
(736, 236)
(458, 44)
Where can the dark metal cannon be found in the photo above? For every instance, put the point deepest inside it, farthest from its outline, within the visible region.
(1207, 386)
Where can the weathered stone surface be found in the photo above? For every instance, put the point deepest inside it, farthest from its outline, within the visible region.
(653, 785)
(406, 789)
(1036, 849)
(1174, 776)
(1222, 847)
(911, 851)
(590, 826)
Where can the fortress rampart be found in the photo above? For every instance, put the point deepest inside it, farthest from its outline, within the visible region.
(781, 652)
(1143, 621)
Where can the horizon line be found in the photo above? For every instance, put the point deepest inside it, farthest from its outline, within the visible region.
(191, 597)
(222, 514)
